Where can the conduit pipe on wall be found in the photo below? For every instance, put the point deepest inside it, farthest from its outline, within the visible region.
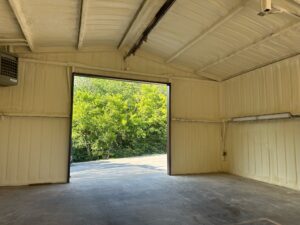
(223, 136)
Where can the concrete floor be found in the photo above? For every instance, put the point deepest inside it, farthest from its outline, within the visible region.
(138, 191)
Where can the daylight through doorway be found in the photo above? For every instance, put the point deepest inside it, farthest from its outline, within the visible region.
(118, 121)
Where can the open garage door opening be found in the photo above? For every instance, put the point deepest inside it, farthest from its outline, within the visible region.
(119, 127)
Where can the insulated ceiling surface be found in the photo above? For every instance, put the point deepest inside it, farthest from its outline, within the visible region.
(108, 20)
(185, 20)
(9, 27)
(225, 39)
(216, 39)
(52, 23)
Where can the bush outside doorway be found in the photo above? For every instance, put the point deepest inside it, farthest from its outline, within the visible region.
(116, 119)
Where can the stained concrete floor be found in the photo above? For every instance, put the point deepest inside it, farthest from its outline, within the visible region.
(138, 191)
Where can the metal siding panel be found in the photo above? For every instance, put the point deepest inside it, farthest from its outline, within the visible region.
(252, 162)
(272, 89)
(195, 145)
(12, 156)
(196, 148)
(297, 152)
(273, 151)
(273, 146)
(265, 153)
(42, 90)
(34, 128)
(34, 150)
(295, 79)
(4, 136)
(290, 155)
(195, 99)
(23, 153)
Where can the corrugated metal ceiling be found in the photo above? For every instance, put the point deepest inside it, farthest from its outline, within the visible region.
(216, 38)
(108, 20)
(8, 24)
(52, 22)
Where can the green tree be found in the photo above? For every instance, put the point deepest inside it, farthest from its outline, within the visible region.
(118, 119)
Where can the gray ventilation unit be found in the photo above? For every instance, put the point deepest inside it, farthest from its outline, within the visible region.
(8, 70)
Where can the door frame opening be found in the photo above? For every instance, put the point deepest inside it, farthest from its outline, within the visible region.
(75, 74)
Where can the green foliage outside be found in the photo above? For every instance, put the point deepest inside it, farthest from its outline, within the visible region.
(115, 119)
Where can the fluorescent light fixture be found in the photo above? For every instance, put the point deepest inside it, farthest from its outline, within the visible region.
(274, 116)
(243, 119)
(263, 117)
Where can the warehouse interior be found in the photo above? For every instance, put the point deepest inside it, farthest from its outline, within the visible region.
(234, 71)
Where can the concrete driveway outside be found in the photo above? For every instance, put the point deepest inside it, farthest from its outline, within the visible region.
(114, 168)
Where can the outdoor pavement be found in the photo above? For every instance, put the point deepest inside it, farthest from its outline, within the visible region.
(114, 168)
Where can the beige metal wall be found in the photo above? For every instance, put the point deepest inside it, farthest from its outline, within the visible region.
(34, 128)
(196, 138)
(266, 151)
(35, 118)
(272, 89)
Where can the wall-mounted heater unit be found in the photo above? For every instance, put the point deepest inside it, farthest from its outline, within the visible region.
(8, 70)
(263, 117)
